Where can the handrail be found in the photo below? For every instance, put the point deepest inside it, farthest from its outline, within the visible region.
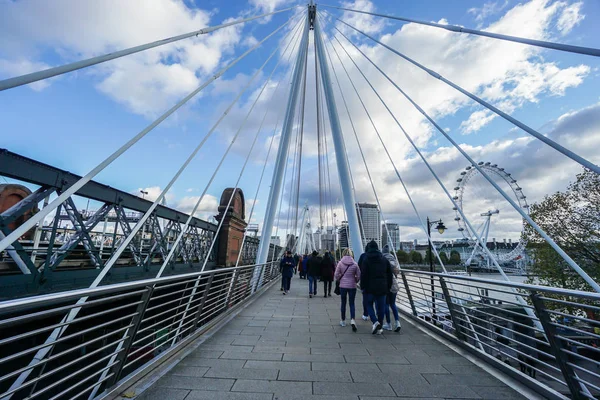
(17, 304)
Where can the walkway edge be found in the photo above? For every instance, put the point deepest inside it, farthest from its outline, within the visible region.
(140, 381)
(507, 375)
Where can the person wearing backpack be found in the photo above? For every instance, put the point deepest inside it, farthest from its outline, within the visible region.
(347, 273)
(391, 296)
(376, 281)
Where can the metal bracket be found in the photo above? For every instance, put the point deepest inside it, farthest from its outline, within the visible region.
(556, 346)
(451, 305)
(408, 294)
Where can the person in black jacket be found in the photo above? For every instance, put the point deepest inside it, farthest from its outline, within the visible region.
(376, 281)
(314, 271)
(327, 271)
(287, 271)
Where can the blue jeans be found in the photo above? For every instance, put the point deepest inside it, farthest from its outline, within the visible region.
(287, 282)
(352, 294)
(312, 284)
(391, 303)
(379, 306)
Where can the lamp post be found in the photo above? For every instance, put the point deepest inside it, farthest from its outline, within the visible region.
(143, 226)
(440, 228)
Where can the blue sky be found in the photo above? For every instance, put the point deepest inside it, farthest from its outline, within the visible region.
(76, 120)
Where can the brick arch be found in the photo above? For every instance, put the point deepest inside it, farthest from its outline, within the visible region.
(11, 194)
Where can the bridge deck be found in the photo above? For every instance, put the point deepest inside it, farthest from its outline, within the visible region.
(292, 347)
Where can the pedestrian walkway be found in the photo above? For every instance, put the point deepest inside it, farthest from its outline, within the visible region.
(292, 347)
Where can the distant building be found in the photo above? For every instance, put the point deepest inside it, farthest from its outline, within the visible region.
(369, 220)
(276, 240)
(343, 235)
(393, 240)
(407, 246)
(252, 230)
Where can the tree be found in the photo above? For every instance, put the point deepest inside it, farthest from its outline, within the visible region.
(403, 257)
(444, 258)
(416, 257)
(454, 257)
(572, 219)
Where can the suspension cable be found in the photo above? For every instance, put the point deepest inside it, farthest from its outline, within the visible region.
(73, 313)
(519, 298)
(63, 69)
(39, 216)
(327, 169)
(575, 157)
(590, 51)
(531, 222)
(319, 150)
(358, 141)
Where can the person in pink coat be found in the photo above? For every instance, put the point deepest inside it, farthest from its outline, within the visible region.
(348, 273)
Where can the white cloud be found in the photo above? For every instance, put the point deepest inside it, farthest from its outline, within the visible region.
(570, 17)
(21, 67)
(148, 82)
(477, 120)
(488, 9)
(207, 208)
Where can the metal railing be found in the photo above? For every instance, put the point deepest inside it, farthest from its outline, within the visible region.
(550, 341)
(119, 330)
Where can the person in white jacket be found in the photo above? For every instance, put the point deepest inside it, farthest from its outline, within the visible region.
(391, 297)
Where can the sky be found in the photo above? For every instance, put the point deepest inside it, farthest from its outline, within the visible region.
(76, 120)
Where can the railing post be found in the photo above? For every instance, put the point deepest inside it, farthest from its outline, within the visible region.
(235, 277)
(204, 297)
(451, 305)
(556, 345)
(131, 332)
(410, 299)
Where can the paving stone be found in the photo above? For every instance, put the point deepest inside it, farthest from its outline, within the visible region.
(334, 388)
(328, 358)
(246, 340)
(462, 379)
(418, 369)
(390, 359)
(315, 376)
(188, 371)
(255, 323)
(207, 395)
(202, 353)
(242, 373)
(354, 351)
(225, 347)
(407, 389)
(212, 362)
(315, 397)
(253, 330)
(321, 366)
(281, 349)
(252, 356)
(388, 377)
(281, 365)
(280, 387)
(162, 393)
(189, 382)
(497, 393)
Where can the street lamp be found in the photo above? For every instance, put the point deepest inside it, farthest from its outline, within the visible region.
(441, 228)
(143, 193)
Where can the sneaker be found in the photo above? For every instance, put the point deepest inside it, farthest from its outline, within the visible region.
(310, 295)
(398, 326)
(284, 293)
(281, 289)
(376, 328)
(380, 331)
(325, 295)
(365, 317)
(342, 323)
(387, 327)
(353, 323)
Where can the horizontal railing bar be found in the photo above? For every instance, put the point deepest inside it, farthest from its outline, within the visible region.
(533, 328)
(149, 317)
(165, 337)
(587, 346)
(494, 298)
(162, 320)
(510, 330)
(591, 321)
(62, 339)
(138, 341)
(45, 299)
(580, 356)
(179, 299)
(497, 308)
(67, 390)
(39, 314)
(587, 371)
(516, 359)
(576, 330)
(46, 388)
(70, 350)
(567, 302)
(107, 377)
(586, 382)
(154, 298)
(524, 286)
(50, 327)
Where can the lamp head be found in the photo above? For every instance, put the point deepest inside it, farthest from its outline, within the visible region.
(440, 227)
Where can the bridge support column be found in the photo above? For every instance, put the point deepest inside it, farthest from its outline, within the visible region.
(338, 142)
(284, 142)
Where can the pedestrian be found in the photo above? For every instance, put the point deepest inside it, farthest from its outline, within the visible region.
(327, 271)
(348, 274)
(314, 271)
(365, 314)
(287, 271)
(376, 280)
(304, 266)
(391, 296)
(296, 262)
